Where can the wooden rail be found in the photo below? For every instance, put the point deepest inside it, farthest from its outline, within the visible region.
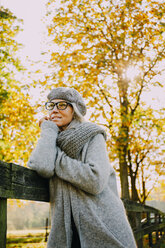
(17, 182)
(148, 221)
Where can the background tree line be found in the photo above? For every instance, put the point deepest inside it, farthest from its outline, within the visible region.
(31, 215)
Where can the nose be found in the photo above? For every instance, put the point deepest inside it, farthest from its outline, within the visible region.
(54, 111)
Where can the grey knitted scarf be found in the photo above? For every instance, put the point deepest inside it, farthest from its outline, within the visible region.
(71, 141)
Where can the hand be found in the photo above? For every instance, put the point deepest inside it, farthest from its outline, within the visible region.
(43, 119)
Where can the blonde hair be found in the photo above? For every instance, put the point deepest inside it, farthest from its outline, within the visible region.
(77, 115)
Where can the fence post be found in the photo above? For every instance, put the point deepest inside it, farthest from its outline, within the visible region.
(46, 234)
(156, 222)
(150, 234)
(3, 222)
(138, 226)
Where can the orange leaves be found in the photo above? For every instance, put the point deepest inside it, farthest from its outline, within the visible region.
(16, 127)
(96, 39)
(17, 130)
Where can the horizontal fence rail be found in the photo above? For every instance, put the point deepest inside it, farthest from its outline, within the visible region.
(146, 220)
(18, 182)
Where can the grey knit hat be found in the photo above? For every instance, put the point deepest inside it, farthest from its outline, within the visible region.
(70, 95)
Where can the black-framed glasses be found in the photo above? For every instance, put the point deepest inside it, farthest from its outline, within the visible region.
(59, 105)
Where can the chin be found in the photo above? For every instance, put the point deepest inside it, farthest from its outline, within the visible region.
(57, 123)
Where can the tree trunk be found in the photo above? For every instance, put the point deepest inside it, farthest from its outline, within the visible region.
(123, 138)
(134, 196)
(144, 192)
(123, 172)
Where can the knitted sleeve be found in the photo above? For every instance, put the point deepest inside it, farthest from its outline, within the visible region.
(42, 158)
(91, 176)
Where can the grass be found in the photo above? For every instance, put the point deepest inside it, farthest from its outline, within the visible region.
(26, 239)
(36, 239)
(31, 245)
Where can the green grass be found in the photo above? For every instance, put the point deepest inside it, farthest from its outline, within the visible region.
(163, 245)
(31, 245)
(36, 238)
(26, 239)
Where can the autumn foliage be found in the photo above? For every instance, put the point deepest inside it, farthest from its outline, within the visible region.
(94, 44)
(17, 129)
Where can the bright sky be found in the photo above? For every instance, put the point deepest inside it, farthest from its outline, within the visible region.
(31, 11)
(32, 37)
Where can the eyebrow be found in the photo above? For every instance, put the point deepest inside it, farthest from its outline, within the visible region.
(59, 101)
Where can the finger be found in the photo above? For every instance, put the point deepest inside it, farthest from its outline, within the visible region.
(43, 119)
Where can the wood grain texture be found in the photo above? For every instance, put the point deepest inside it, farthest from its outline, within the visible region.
(18, 182)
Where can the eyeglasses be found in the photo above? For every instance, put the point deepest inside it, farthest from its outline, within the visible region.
(59, 105)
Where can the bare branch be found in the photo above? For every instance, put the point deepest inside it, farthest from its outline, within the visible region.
(152, 65)
(105, 21)
(107, 100)
(130, 163)
(149, 192)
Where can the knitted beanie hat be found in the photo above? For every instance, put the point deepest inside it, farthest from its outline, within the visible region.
(70, 95)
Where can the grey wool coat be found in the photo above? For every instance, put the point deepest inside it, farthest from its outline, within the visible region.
(86, 187)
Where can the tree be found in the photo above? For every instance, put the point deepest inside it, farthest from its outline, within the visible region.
(96, 42)
(145, 153)
(17, 128)
(5, 18)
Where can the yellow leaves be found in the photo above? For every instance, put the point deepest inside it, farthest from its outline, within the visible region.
(17, 131)
(16, 128)
(61, 73)
(54, 56)
(93, 40)
(141, 16)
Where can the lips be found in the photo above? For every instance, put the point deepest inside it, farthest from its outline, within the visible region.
(54, 117)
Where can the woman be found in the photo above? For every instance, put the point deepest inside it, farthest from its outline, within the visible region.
(86, 210)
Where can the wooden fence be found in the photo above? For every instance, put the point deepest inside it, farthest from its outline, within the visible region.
(17, 182)
(147, 222)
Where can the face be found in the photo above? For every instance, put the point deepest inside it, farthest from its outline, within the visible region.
(62, 118)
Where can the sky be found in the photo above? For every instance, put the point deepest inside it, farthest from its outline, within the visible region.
(32, 12)
(33, 38)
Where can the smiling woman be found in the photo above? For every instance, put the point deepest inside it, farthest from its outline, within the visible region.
(86, 210)
(61, 113)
